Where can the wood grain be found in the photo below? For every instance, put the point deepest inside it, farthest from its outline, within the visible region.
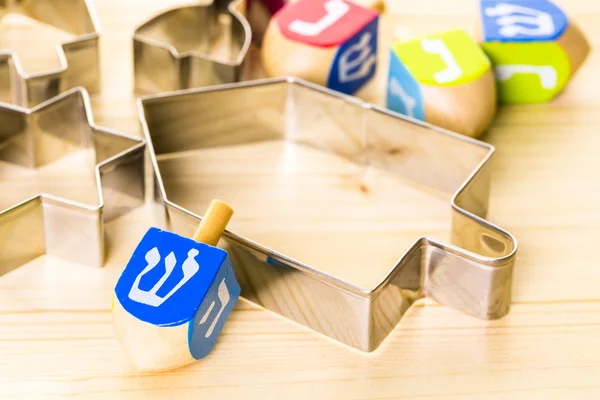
(313, 206)
(56, 334)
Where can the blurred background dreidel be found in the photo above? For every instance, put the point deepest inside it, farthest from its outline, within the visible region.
(329, 42)
(175, 294)
(444, 79)
(533, 46)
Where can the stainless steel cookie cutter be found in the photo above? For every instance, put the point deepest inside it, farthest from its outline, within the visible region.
(79, 58)
(473, 274)
(45, 223)
(173, 50)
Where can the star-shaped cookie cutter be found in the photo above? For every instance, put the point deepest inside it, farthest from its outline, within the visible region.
(172, 50)
(79, 57)
(473, 274)
(48, 224)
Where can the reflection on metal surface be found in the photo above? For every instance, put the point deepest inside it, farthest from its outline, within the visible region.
(175, 49)
(78, 58)
(46, 223)
(473, 274)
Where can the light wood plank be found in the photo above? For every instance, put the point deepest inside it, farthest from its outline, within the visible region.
(56, 335)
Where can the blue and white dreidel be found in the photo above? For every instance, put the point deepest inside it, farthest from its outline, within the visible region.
(534, 47)
(175, 294)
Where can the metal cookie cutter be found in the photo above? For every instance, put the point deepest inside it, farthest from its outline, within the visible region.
(79, 58)
(174, 49)
(473, 274)
(46, 223)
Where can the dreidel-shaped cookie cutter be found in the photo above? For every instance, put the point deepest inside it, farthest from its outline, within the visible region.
(473, 274)
(173, 50)
(78, 57)
(45, 222)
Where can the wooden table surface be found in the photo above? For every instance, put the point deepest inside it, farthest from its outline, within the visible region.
(56, 334)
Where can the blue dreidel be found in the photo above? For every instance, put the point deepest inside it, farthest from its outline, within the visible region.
(534, 47)
(175, 294)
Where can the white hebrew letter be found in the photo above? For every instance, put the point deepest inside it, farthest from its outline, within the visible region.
(149, 297)
(365, 60)
(452, 71)
(224, 298)
(511, 15)
(336, 9)
(547, 74)
(409, 102)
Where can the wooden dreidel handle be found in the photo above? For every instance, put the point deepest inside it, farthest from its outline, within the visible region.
(377, 5)
(175, 294)
(275, 5)
(213, 223)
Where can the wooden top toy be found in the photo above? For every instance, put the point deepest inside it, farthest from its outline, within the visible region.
(444, 79)
(175, 294)
(329, 42)
(533, 46)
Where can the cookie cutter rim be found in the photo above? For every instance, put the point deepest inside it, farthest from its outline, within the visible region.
(19, 79)
(232, 7)
(127, 157)
(423, 247)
